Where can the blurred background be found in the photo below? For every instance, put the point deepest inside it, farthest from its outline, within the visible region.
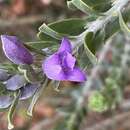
(23, 17)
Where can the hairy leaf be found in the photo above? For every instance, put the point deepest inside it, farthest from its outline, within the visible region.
(123, 25)
(68, 27)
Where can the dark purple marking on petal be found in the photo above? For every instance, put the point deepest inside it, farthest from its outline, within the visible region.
(5, 101)
(28, 90)
(65, 45)
(4, 75)
(15, 82)
(76, 75)
(15, 50)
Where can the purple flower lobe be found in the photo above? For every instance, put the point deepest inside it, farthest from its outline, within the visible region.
(15, 50)
(28, 90)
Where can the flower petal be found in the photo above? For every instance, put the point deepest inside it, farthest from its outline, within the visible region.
(52, 69)
(3, 75)
(69, 61)
(60, 66)
(65, 46)
(5, 101)
(28, 90)
(15, 50)
(15, 82)
(76, 75)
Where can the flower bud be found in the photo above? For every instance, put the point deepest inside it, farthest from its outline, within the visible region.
(97, 102)
(15, 50)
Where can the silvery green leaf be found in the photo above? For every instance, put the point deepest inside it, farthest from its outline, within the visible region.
(56, 85)
(88, 39)
(95, 40)
(12, 110)
(3, 90)
(123, 25)
(9, 67)
(36, 97)
(47, 51)
(71, 5)
(66, 27)
(99, 6)
(29, 74)
(113, 26)
(39, 45)
(81, 5)
(47, 30)
(84, 61)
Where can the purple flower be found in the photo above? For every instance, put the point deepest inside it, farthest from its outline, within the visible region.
(3, 75)
(15, 50)
(15, 82)
(19, 82)
(5, 101)
(61, 65)
(28, 91)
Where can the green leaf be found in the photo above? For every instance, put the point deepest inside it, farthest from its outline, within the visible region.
(90, 45)
(29, 74)
(49, 31)
(89, 39)
(113, 25)
(56, 85)
(12, 110)
(71, 5)
(99, 5)
(56, 30)
(43, 47)
(94, 41)
(123, 25)
(44, 37)
(34, 49)
(91, 56)
(72, 26)
(39, 45)
(81, 5)
(83, 60)
(35, 97)
(10, 67)
(3, 90)
(95, 7)
(95, 2)
(111, 28)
